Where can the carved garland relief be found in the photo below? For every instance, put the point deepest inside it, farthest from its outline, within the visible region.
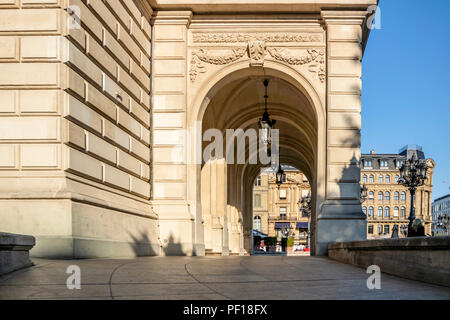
(256, 50)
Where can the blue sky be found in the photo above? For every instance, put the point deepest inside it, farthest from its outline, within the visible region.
(406, 83)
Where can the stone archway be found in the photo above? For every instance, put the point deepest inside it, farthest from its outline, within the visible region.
(318, 67)
(236, 102)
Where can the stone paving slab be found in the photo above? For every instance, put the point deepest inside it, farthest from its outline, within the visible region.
(205, 278)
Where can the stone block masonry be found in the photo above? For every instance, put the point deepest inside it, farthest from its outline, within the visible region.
(75, 126)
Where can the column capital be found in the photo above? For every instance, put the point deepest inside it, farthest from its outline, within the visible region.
(172, 17)
(343, 17)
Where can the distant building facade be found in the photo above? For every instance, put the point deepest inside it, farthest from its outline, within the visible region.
(440, 213)
(388, 203)
(276, 210)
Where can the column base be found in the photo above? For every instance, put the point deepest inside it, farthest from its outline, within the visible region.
(338, 230)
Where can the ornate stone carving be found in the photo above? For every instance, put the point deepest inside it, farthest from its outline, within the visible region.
(199, 56)
(230, 57)
(256, 52)
(314, 55)
(233, 37)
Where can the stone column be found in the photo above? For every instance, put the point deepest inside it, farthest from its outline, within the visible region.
(341, 217)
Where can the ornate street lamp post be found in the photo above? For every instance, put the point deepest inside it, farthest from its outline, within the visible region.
(413, 175)
(266, 124)
(279, 176)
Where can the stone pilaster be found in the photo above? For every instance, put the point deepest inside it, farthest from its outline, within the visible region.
(341, 217)
(170, 196)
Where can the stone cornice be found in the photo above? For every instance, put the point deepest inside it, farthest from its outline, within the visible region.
(257, 6)
(172, 17)
(340, 17)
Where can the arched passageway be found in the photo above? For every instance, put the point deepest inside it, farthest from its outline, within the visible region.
(237, 102)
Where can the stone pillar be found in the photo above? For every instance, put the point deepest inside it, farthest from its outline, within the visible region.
(177, 210)
(341, 217)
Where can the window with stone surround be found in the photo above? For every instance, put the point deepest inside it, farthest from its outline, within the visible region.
(257, 223)
(403, 196)
(403, 212)
(380, 212)
(396, 211)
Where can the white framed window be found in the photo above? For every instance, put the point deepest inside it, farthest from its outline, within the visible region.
(403, 196)
(368, 164)
(397, 177)
(371, 211)
(396, 211)
(380, 229)
(388, 179)
(364, 209)
(258, 182)
(387, 212)
(371, 195)
(283, 194)
(387, 196)
(380, 179)
(396, 196)
(257, 223)
(380, 195)
(384, 164)
(380, 211)
(364, 178)
(403, 212)
(371, 178)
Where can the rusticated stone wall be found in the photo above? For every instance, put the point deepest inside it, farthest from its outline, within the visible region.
(75, 126)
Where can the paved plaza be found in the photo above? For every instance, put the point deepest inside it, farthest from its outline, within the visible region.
(191, 278)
